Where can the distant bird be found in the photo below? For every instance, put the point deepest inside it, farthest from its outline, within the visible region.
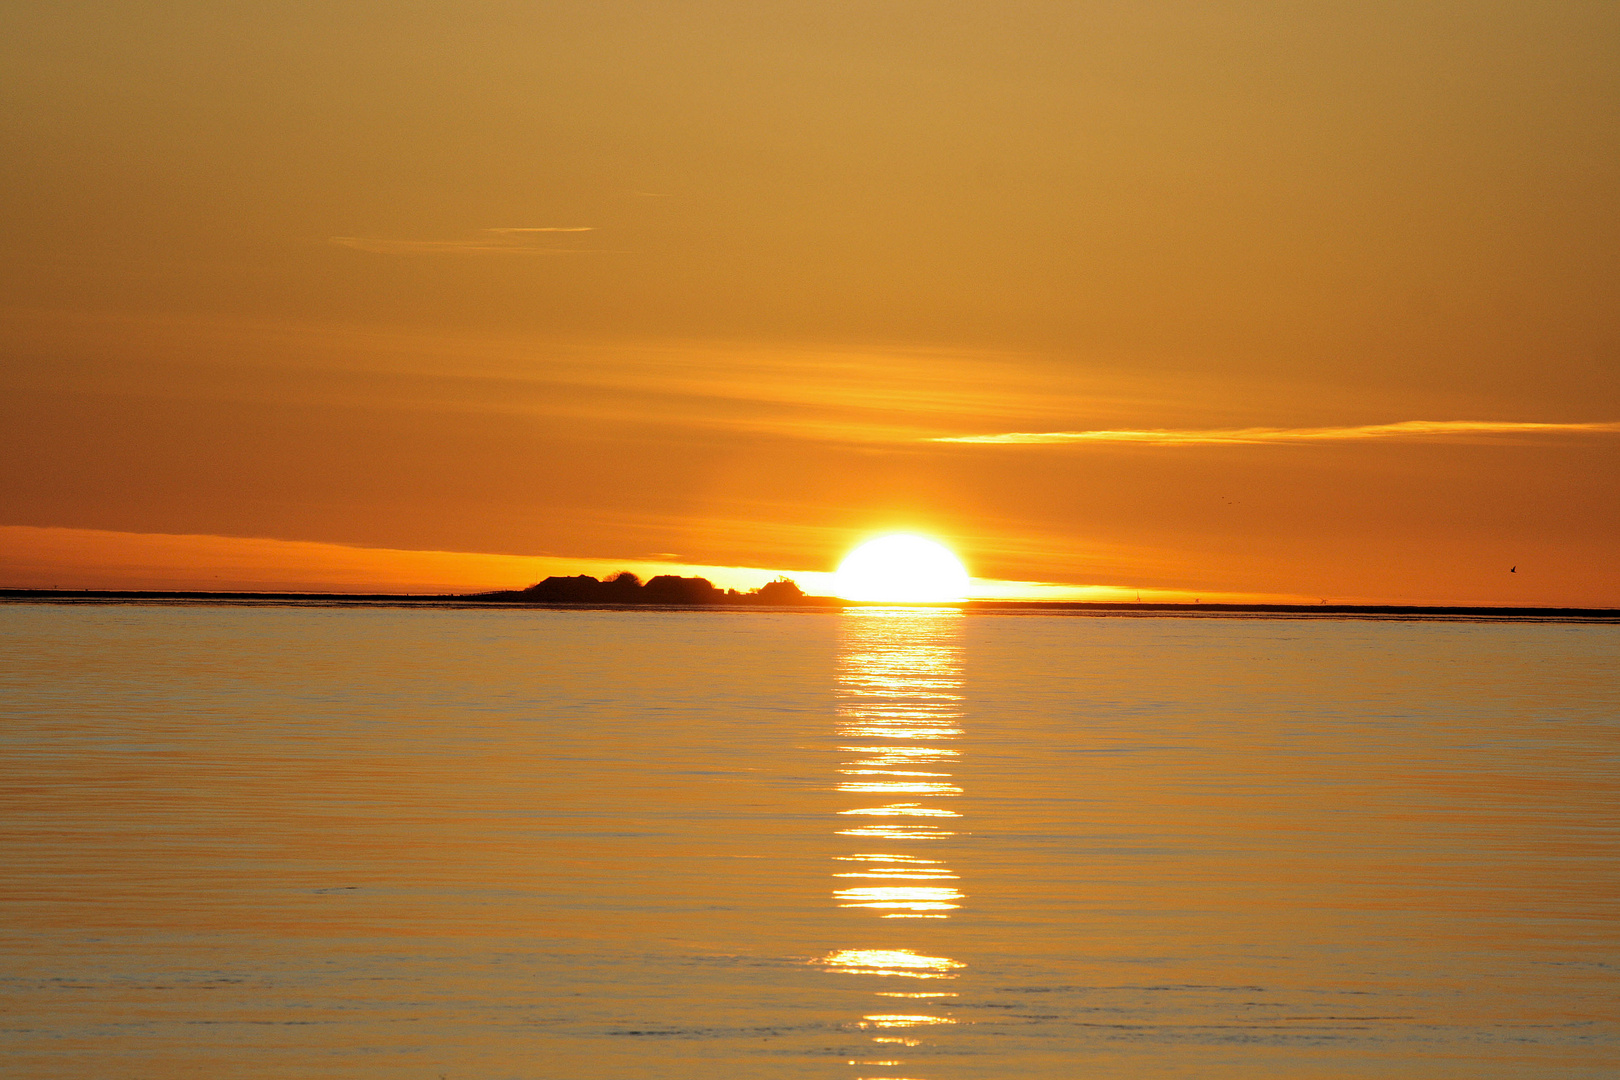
(1513, 569)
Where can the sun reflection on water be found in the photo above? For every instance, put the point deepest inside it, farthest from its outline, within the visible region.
(908, 875)
(896, 1020)
(900, 755)
(899, 699)
(887, 772)
(902, 810)
(890, 962)
(901, 787)
(918, 994)
(897, 832)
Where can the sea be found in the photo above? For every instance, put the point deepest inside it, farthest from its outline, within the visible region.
(341, 842)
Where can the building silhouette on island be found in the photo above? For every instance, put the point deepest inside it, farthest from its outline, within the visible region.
(666, 589)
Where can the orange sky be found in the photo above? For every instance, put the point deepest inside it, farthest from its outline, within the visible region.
(1104, 295)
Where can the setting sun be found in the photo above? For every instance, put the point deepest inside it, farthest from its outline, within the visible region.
(904, 569)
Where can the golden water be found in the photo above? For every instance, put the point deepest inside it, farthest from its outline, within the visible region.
(367, 843)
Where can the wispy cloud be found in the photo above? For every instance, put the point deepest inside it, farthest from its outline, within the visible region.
(506, 240)
(543, 228)
(1406, 429)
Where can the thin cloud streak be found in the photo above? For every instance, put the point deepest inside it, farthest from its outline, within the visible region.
(507, 240)
(1406, 429)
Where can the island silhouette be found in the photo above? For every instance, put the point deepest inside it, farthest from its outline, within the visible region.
(665, 589)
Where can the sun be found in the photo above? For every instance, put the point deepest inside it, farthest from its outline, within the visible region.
(902, 568)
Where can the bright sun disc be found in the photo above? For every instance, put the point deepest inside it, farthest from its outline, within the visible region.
(902, 569)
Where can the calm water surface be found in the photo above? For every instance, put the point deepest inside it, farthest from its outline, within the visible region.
(363, 843)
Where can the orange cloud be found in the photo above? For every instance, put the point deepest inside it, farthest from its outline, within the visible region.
(1406, 429)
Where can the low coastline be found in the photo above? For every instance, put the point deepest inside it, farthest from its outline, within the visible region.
(515, 600)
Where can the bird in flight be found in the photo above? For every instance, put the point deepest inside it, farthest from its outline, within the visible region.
(1513, 569)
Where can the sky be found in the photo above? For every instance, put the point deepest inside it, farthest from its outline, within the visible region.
(1254, 300)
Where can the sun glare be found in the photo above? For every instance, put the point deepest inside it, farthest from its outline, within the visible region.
(902, 569)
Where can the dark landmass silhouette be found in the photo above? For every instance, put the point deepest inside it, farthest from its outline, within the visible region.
(665, 589)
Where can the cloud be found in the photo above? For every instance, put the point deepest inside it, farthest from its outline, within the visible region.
(507, 240)
(1406, 429)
